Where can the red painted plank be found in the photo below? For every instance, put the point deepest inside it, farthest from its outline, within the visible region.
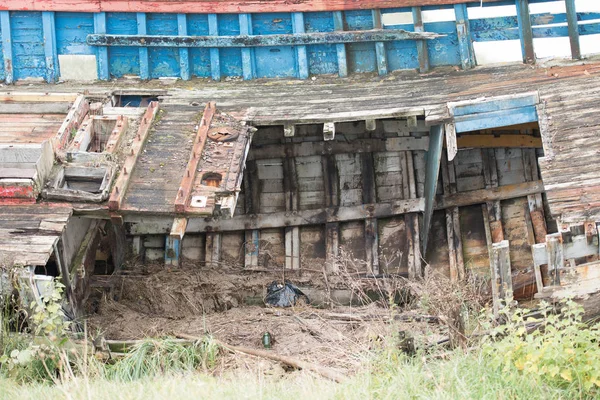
(17, 192)
(185, 188)
(214, 6)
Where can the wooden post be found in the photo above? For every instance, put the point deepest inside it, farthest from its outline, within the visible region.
(380, 52)
(490, 172)
(252, 206)
(143, 51)
(422, 52)
(213, 249)
(215, 58)
(338, 25)
(465, 44)
(173, 241)
(457, 267)
(536, 206)
(502, 290)
(301, 57)
(556, 258)
(292, 234)
(432, 171)
(50, 49)
(573, 29)
(101, 51)
(7, 46)
(369, 197)
(331, 188)
(184, 53)
(248, 69)
(525, 31)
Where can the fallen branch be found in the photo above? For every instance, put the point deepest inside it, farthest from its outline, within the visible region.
(292, 362)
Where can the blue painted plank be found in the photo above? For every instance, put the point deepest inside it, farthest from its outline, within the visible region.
(230, 58)
(164, 62)
(273, 61)
(525, 31)
(495, 119)
(494, 105)
(491, 29)
(380, 50)
(6, 46)
(302, 59)
(123, 60)
(184, 54)
(199, 58)
(71, 32)
(432, 172)
(445, 50)
(322, 58)
(360, 57)
(215, 58)
(338, 25)
(50, 51)
(465, 44)
(144, 60)
(247, 54)
(172, 250)
(422, 50)
(29, 59)
(101, 52)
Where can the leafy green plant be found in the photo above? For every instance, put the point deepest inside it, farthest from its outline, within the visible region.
(557, 348)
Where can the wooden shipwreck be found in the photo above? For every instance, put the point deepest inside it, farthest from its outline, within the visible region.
(461, 167)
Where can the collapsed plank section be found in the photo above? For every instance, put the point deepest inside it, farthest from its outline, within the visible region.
(122, 183)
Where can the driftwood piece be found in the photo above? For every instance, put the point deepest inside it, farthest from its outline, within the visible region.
(291, 361)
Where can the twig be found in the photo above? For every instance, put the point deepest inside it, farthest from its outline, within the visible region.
(291, 361)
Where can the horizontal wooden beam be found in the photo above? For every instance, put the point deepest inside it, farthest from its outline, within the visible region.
(122, 183)
(214, 6)
(145, 225)
(296, 39)
(492, 141)
(304, 149)
(495, 119)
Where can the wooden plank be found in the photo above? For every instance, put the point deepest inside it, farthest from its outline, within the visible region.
(248, 67)
(493, 103)
(411, 222)
(422, 51)
(184, 53)
(338, 25)
(215, 57)
(76, 114)
(213, 250)
(502, 290)
(101, 52)
(578, 247)
(301, 55)
(251, 248)
(380, 53)
(143, 51)
(7, 54)
(525, 31)
(120, 187)
(50, 49)
(16, 96)
(116, 135)
(434, 154)
(495, 119)
(492, 141)
(555, 256)
(214, 6)
(185, 188)
(573, 29)
(451, 142)
(465, 43)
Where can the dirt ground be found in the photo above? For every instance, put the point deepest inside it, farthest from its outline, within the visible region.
(159, 302)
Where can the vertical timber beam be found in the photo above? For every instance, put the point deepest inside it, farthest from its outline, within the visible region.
(292, 234)
(213, 249)
(101, 51)
(422, 52)
(50, 51)
(331, 182)
(455, 250)
(338, 25)
(490, 172)
(144, 63)
(248, 70)
(252, 206)
(184, 53)
(465, 44)
(573, 29)
(302, 59)
(432, 171)
(173, 241)
(380, 52)
(215, 57)
(369, 197)
(525, 31)
(556, 257)
(7, 46)
(535, 204)
(502, 291)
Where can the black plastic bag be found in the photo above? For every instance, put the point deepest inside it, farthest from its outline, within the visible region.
(285, 295)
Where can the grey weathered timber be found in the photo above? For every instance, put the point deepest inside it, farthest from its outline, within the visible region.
(556, 257)
(432, 171)
(296, 39)
(502, 290)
